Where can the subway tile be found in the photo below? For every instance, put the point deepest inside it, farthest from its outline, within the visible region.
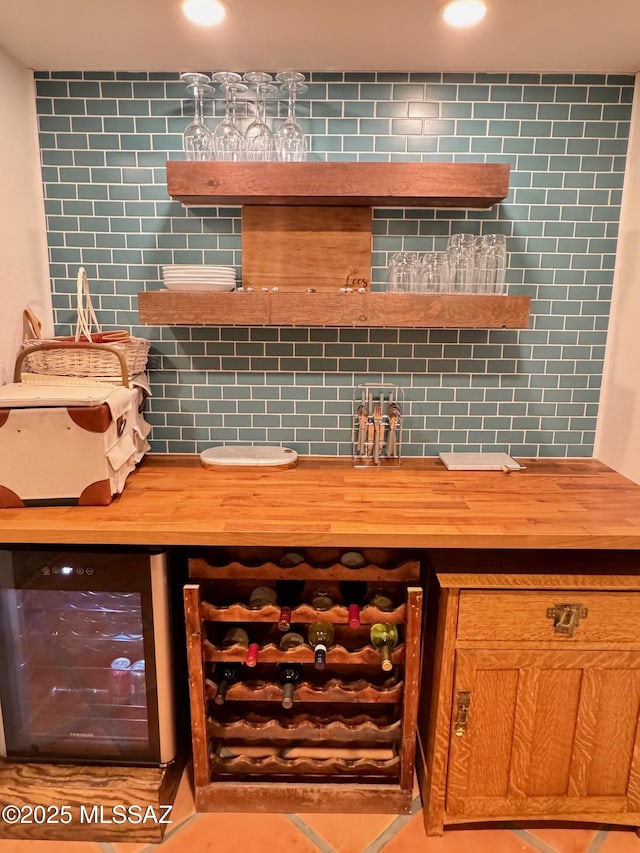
(472, 99)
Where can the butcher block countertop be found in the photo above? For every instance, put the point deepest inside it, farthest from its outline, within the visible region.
(172, 500)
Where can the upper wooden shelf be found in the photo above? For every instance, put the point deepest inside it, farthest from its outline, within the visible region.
(400, 310)
(212, 183)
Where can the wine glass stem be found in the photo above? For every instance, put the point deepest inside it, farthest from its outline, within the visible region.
(261, 111)
(199, 105)
(292, 106)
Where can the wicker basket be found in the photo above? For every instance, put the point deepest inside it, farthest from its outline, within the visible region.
(86, 361)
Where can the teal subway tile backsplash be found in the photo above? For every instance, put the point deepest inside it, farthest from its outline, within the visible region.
(106, 136)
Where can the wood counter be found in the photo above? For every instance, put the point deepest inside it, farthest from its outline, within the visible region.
(326, 502)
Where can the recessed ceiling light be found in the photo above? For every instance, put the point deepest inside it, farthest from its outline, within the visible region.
(464, 13)
(204, 12)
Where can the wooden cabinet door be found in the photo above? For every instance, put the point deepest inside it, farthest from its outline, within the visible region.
(548, 733)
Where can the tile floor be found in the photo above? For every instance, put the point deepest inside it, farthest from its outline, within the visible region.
(339, 833)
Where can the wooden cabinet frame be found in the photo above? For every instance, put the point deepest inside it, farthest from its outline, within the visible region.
(552, 722)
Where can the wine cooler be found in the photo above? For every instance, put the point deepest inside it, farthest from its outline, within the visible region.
(304, 681)
(85, 656)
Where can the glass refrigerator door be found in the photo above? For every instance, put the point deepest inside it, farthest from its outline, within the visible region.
(75, 658)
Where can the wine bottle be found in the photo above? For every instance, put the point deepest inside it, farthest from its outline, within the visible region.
(289, 674)
(353, 594)
(235, 636)
(238, 636)
(289, 593)
(226, 675)
(353, 560)
(320, 638)
(381, 600)
(321, 599)
(384, 637)
(290, 640)
(262, 596)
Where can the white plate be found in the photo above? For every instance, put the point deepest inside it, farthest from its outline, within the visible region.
(197, 268)
(229, 282)
(197, 286)
(200, 272)
(200, 275)
(247, 456)
(180, 285)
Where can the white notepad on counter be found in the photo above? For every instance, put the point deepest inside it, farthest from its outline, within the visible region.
(480, 462)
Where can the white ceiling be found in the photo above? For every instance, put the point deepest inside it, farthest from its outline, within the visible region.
(349, 35)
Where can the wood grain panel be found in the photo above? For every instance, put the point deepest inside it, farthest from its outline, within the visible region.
(617, 713)
(535, 568)
(81, 788)
(195, 660)
(566, 757)
(593, 810)
(413, 643)
(435, 716)
(288, 798)
(523, 729)
(586, 733)
(294, 248)
(397, 310)
(476, 185)
(500, 616)
(556, 707)
(607, 582)
(480, 759)
(328, 503)
(633, 787)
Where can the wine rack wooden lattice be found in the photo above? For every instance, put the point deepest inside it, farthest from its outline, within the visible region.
(348, 742)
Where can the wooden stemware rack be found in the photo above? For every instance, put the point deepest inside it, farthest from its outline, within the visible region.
(348, 743)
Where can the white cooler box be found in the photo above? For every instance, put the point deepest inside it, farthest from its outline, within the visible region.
(68, 444)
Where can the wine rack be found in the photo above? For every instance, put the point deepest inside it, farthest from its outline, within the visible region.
(347, 744)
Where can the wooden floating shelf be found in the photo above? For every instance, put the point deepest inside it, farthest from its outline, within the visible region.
(397, 310)
(206, 184)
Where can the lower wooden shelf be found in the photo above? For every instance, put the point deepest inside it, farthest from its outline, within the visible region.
(89, 795)
(294, 797)
(399, 310)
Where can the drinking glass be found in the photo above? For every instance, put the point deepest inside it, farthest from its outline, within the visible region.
(258, 136)
(491, 262)
(291, 143)
(198, 139)
(228, 140)
(434, 272)
(403, 272)
(461, 255)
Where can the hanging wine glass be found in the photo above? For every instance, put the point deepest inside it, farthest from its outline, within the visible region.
(198, 139)
(228, 141)
(258, 136)
(290, 140)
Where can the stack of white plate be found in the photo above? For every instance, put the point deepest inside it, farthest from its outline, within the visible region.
(198, 277)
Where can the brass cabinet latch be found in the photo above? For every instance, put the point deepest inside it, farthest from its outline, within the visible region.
(463, 700)
(566, 617)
